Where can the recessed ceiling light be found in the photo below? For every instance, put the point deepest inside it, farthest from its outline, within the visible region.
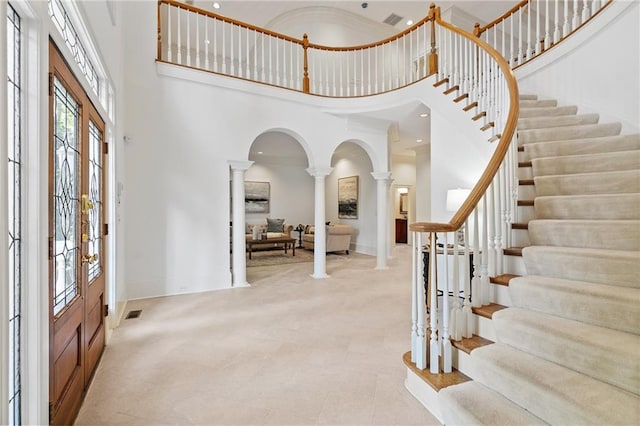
(216, 5)
(409, 22)
(260, 152)
(424, 114)
(418, 140)
(207, 41)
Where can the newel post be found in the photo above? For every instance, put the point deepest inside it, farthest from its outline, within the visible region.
(305, 78)
(433, 54)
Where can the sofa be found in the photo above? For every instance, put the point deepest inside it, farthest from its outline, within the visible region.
(338, 238)
(274, 228)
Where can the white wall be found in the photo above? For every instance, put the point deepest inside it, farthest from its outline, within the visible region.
(292, 193)
(183, 131)
(355, 163)
(596, 69)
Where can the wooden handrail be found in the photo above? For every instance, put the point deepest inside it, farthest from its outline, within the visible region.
(497, 158)
(477, 30)
(374, 44)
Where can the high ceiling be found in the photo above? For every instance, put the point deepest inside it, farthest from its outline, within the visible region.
(408, 129)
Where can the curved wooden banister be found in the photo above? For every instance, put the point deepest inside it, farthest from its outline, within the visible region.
(480, 29)
(374, 44)
(483, 183)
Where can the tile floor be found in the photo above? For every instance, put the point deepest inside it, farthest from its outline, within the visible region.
(289, 350)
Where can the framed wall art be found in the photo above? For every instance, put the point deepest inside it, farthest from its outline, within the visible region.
(256, 197)
(348, 197)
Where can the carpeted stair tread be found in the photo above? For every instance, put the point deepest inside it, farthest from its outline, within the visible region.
(618, 182)
(582, 146)
(568, 132)
(586, 163)
(527, 97)
(612, 267)
(559, 121)
(537, 103)
(602, 353)
(471, 403)
(597, 234)
(598, 304)
(548, 112)
(598, 206)
(555, 394)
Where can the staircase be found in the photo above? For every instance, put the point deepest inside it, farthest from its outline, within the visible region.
(567, 350)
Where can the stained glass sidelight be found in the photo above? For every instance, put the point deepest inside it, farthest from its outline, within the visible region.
(14, 141)
(66, 157)
(95, 197)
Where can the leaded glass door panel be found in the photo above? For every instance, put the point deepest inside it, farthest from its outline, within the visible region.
(76, 242)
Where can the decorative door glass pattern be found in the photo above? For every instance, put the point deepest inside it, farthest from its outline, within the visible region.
(14, 199)
(65, 196)
(61, 19)
(95, 198)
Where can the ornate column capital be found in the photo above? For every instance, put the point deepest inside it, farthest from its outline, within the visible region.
(239, 164)
(319, 171)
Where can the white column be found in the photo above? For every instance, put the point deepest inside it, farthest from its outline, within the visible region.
(320, 239)
(239, 257)
(4, 255)
(391, 228)
(383, 180)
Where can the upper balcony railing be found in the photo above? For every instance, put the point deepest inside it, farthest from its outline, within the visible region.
(532, 27)
(204, 40)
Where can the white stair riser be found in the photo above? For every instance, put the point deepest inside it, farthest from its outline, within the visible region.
(526, 192)
(525, 214)
(515, 265)
(525, 173)
(521, 238)
(554, 122)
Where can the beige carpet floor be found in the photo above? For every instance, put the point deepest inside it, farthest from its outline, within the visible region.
(289, 350)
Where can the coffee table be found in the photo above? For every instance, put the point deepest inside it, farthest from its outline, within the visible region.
(286, 244)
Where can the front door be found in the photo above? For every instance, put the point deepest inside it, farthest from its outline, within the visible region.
(76, 240)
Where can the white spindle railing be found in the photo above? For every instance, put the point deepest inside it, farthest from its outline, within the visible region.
(534, 26)
(200, 39)
(457, 269)
(441, 302)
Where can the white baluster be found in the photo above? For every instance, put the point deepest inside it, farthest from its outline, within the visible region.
(362, 92)
(538, 42)
(169, 52)
(291, 50)
(566, 28)
(270, 59)
(278, 70)
(263, 75)
(529, 48)
(475, 282)
(197, 40)
(456, 312)
(223, 59)
(498, 219)
(547, 35)
(179, 41)
(376, 65)
(446, 342)
(484, 270)
(247, 60)
(467, 314)
(575, 22)
(415, 262)
(511, 43)
(586, 13)
(434, 346)
(421, 345)
(215, 45)
(520, 52)
(207, 41)
(188, 35)
(595, 6)
(556, 25)
(489, 213)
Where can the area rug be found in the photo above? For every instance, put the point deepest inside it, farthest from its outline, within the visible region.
(278, 257)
